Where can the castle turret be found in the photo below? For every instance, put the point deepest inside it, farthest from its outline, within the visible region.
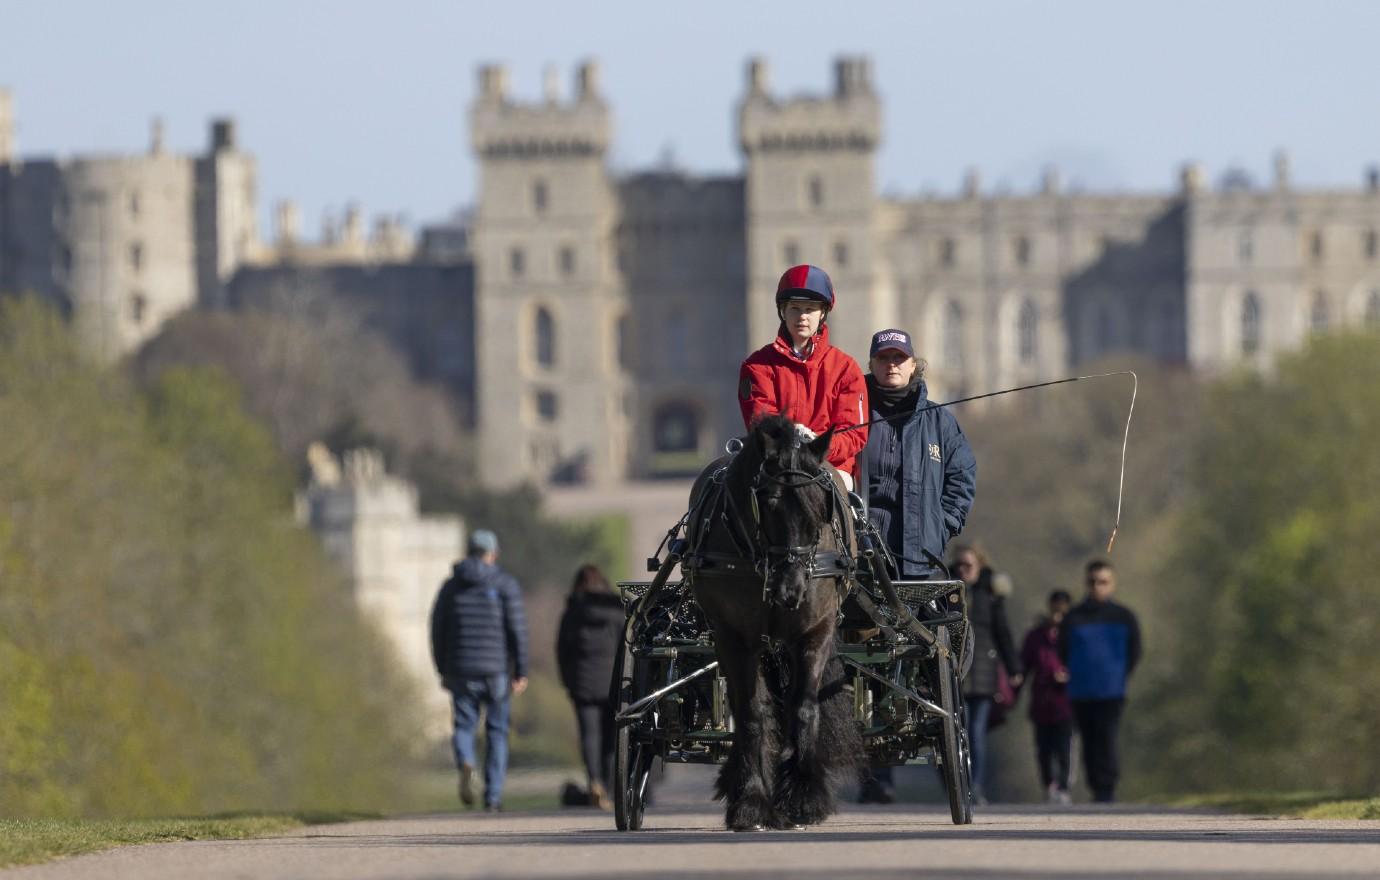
(547, 296)
(810, 197)
(6, 127)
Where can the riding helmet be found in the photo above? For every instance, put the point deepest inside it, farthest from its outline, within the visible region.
(805, 282)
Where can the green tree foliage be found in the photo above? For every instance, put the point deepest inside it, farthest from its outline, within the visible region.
(1271, 677)
(169, 641)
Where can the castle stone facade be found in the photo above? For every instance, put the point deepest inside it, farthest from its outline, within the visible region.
(591, 323)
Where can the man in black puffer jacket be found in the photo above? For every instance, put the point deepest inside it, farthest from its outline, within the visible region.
(479, 640)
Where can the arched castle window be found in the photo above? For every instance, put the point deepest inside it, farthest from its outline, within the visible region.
(1022, 251)
(790, 252)
(1250, 324)
(1026, 339)
(953, 337)
(1245, 247)
(1318, 317)
(840, 254)
(539, 196)
(948, 252)
(544, 337)
(1373, 309)
(676, 428)
(1315, 245)
(567, 261)
(546, 405)
(1371, 244)
(517, 262)
(138, 307)
(136, 257)
(677, 340)
(622, 335)
(815, 190)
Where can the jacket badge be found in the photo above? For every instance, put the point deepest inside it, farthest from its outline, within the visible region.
(934, 452)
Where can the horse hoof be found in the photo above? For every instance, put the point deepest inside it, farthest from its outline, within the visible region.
(758, 827)
(794, 826)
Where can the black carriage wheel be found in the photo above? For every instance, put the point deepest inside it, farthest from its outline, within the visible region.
(632, 760)
(953, 742)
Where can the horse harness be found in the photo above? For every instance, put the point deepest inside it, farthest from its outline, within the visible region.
(754, 551)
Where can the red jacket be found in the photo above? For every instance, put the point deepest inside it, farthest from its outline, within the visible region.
(826, 390)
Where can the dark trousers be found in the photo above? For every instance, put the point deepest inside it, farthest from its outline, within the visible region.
(1053, 745)
(596, 739)
(1098, 724)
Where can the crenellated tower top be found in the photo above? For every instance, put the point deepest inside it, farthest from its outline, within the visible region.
(501, 127)
(848, 119)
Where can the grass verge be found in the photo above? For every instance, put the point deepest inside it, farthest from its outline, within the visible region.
(1291, 805)
(28, 841)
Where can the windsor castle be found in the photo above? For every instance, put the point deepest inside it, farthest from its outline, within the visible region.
(590, 325)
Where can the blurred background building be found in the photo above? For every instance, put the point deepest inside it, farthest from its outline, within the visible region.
(591, 323)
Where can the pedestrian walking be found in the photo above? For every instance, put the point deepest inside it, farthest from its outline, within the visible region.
(1099, 642)
(591, 632)
(479, 646)
(1051, 713)
(994, 652)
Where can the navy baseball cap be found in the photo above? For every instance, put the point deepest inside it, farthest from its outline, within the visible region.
(884, 339)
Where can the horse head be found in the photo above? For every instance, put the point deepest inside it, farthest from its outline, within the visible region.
(792, 502)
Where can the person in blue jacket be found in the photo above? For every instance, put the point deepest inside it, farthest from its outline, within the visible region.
(918, 473)
(479, 646)
(1099, 642)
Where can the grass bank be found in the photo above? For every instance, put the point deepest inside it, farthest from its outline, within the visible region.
(1290, 805)
(28, 841)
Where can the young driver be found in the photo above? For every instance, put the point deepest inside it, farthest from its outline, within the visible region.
(801, 376)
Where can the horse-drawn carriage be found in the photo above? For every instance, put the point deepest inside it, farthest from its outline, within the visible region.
(786, 650)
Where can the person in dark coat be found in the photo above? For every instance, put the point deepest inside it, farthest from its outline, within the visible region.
(1099, 642)
(479, 646)
(918, 473)
(993, 652)
(1050, 710)
(591, 633)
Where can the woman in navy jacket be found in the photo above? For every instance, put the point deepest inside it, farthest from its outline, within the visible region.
(918, 472)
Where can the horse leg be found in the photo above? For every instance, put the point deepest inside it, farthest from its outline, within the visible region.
(743, 780)
(803, 794)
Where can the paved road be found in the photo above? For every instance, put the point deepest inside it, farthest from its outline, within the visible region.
(683, 842)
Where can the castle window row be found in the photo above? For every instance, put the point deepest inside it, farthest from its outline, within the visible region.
(1317, 245)
(526, 149)
(1319, 317)
(821, 141)
(517, 262)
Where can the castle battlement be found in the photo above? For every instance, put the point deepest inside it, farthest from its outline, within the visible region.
(503, 127)
(848, 119)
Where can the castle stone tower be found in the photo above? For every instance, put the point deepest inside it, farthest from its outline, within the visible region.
(548, 300)
(811, 197)
(226, 232)
(6, 127)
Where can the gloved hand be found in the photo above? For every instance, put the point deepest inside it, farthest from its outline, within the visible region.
(806, 435)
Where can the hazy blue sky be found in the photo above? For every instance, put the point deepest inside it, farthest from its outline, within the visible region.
(366, 101)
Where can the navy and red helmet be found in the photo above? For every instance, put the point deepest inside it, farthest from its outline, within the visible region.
(805, 282)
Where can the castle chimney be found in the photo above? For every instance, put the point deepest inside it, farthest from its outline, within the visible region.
(285, 216)
(6, 127)
(352, 229)
(551, 84)
(1190, 179)
(1281, 170)
(587, 80)
(156, 136)
(972, 184)
(1050, 182)
(222, 135)
(757, 76)
(493, 83)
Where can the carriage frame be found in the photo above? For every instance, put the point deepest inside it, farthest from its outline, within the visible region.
(904, 646)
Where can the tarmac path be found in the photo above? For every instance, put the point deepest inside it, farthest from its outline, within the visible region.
(688, 841)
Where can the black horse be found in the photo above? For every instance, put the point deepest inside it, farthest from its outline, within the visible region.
(772, 549)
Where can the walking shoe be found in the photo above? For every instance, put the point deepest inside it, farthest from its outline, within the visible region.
(598, 797)
(1064, 798)
(493, 808)
(467, 785)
